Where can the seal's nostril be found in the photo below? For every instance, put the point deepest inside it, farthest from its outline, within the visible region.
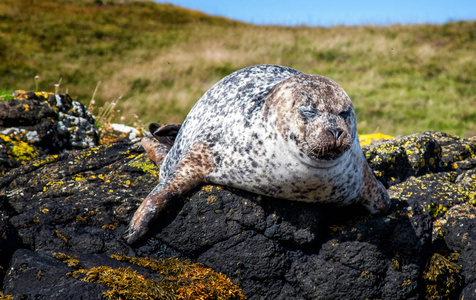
(336, 132)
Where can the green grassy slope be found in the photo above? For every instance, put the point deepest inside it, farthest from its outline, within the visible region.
(161, 58)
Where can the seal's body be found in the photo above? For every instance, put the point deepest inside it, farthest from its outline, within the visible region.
(267, 129)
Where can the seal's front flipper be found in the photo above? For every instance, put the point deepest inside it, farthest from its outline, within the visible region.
(373, 195)
(192, 170)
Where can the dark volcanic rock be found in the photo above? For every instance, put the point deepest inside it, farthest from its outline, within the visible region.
(34, 275)
(42, 123)
(81, 201)
(393, 161)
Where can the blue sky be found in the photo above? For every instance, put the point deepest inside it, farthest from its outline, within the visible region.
(331, 13)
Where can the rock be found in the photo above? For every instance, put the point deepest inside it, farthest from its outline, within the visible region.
(393, 161)
(460, 236)
(35, 275)
(33, 124)
(80, 202)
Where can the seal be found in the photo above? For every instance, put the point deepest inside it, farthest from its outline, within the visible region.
(266, 129)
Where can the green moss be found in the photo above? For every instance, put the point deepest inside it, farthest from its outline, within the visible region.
(5, 95)
(443, 277)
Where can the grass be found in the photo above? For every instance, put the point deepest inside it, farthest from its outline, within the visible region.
(6, 94)
(161, 59)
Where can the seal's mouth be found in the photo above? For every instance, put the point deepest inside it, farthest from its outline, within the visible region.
(328, 152)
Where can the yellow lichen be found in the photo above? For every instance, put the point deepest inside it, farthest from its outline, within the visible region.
(110, 226)
(366, 274)
(58, 234)
(78, 177)
(48, 159)
(406, 282)
(396, 262)
(437, 210)
(437, 225)
(44, 94)
(81, 219)
(51, 184)
(366, 139)
(145, 165)
(211, 199)
(19, 149)
(207, 188)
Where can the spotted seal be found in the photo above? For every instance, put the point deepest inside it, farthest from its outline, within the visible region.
(270, 130)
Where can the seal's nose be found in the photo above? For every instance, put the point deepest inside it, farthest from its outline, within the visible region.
(336, 132)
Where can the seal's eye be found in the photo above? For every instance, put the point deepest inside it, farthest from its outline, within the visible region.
(345, 114)
(307, 113)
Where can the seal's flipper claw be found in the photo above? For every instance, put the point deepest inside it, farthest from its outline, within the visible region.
(147, 212)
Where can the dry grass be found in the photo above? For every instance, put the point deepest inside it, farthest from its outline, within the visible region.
(402, 79)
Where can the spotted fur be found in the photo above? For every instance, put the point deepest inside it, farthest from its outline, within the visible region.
(271, 130)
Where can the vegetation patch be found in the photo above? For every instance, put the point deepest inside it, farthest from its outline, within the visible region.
(402, 79)
(70, 261)
(443, 277)
(145, 164)
(179, 279)
(17, 149)
(5, 95)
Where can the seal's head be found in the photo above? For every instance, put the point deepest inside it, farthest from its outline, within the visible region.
(315, 113)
